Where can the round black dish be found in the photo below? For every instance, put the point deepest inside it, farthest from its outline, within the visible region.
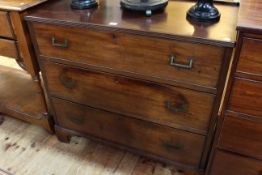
(148, 6)
(203, 11)
(83, 4)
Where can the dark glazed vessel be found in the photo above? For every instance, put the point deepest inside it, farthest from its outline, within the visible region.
(203, 11)
(148, 6)
(83, 4)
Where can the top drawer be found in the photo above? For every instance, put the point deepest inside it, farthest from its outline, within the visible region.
(6, 29)
(158, 59)
(250, 60)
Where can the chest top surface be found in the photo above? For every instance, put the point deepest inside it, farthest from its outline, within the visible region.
(171, 23)
(18, 5)
(250, 15)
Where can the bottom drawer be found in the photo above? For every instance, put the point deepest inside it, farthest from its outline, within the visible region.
(172, 144)
(8, 48)
(229, 164)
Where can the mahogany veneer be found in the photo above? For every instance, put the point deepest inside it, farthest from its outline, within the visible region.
(242, 135)
(131, 132)
(250, 56)
(246, 97)
(22, 98)
(149, 85)
(74, 84)
(229, 164)
(237, 149)
(15, 43)
(8, 48)
(119, 51)
(5, 31)
(18, 5)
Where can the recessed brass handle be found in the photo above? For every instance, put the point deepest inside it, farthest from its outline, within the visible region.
(176, 107)
(77, 119)
(176, 146)
(67, 81)
(61, 45)
(173, 62)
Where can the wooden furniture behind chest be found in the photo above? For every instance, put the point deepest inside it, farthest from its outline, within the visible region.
(238, 149)
(21, 95)
(150, 85)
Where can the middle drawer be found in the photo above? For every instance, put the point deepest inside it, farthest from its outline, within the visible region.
(163, 104)
(246, 97)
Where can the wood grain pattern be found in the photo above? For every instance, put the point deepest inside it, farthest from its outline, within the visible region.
(8, 48)
(21, 97)
(246, 97)
(165, 142)
(171, 23)
(242, 136)
(106, 79)
(250, 57)
(126, 53)
(228, 164)
(239, 128)
(250, 17)
(19, 91)
(37, 152)
(18, 5)
(188, 109)
(24, 44)
(6, 28)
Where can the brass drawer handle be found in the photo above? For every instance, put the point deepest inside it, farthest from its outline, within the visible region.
(173, 62)
(77, 120)
(176, 107)
(56, 44)
(67, 81)
(176, 146)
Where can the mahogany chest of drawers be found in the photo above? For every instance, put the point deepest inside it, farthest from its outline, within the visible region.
(149, 85)
(238, 148)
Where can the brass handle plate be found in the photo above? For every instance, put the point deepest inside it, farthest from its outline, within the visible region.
(55, 43)
(178, 105)
(176, 146)
(67, 81)
(173, 62)
(77, 119)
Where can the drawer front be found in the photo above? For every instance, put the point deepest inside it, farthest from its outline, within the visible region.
(5, 29)
(139, 55)
(172, 144)
(242, 136)
(246, 97)
(166, 105)
(230, 164)
(250, 57)
(8, 48)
